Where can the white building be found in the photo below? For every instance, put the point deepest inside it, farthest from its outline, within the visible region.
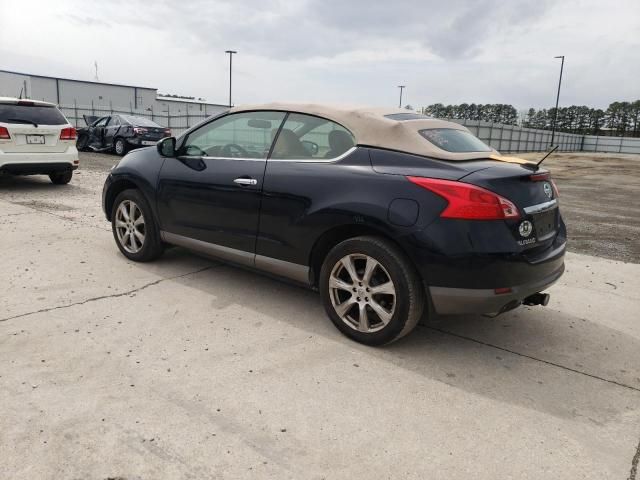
(78, 97)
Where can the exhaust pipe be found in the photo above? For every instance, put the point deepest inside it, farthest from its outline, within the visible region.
(537, 299)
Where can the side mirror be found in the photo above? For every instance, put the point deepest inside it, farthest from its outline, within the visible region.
(167, 147)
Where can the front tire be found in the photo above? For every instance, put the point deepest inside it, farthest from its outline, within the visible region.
(120, 147)
(370, 290)
(61, 178)
(134, 227)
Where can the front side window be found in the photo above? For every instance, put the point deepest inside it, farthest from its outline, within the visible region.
(309, 137)
(102, 122)
(240, 135)
(453, 140)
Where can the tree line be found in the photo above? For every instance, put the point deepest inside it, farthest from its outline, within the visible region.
(620, 118)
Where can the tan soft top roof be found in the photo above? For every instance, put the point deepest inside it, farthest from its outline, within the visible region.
(371, 127)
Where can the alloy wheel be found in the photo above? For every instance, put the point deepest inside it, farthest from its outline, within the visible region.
(119, 147)
(362, 293)
(130, 226)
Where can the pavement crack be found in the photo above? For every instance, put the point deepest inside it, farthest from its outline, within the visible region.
(634, 464)
(547, 362)
(114, 295)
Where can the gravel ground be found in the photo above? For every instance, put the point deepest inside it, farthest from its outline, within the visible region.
(599, 197)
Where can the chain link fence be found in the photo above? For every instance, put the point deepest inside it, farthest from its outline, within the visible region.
(177, 122)
(504, 138)
(514, 139)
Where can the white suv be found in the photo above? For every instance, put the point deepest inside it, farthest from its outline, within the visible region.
(36, 139)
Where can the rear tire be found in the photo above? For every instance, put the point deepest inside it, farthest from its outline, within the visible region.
(61, 178)
(384, 301)
(120, 147)
(134, 227)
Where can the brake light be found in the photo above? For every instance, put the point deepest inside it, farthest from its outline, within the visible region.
(139, 130)
(26, 103)
(555, 188)
(167, 132)
(4, 134)
(68, 133)
(539, 177)
(468, 202)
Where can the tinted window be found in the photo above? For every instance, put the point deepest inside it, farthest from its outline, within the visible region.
(406, 116)
(453, 140)
(306, 136)
(38, 114)
(139, 121)
(244, 135)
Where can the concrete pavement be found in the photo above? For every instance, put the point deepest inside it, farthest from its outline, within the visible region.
(187, 368)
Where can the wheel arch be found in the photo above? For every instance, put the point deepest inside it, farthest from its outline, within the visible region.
(336, 235)
(115, 189)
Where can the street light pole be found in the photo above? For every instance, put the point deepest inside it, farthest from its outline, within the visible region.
(230, 52)
(555, 117)
(401, 87)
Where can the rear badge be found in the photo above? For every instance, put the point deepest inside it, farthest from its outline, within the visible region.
(525, 228)
(548, 191)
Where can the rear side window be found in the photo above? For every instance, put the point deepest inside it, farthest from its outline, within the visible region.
(306, 136)
(139, 121)
(453, 140)
(30, 114)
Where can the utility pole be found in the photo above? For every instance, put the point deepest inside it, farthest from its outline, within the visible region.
(230, 52)
(555, 117)
(401, 87)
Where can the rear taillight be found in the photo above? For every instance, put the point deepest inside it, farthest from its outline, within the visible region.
(4, 134)
(555, 188)
(139, 130)
(68, 133)
(167, 132)
(468, 202)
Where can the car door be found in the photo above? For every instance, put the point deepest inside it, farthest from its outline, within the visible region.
(96, 133)
(209, 195)
(111, 130)
(98, 129)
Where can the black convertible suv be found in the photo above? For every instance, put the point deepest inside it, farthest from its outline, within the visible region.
(391, 215)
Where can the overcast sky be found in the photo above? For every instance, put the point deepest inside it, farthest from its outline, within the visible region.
(339, 51)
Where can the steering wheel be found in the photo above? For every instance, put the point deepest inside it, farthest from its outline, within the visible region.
(234, 151)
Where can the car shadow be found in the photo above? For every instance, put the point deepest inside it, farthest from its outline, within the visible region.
(37, 183)
(537, 358)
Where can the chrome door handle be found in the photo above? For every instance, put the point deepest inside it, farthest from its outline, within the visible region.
(246, 181)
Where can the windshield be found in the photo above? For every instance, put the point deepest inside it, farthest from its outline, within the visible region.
(139, 121)
(33, 114)
(453, 140)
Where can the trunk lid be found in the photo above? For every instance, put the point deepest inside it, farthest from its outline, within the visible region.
(532, 192)
(31, 139)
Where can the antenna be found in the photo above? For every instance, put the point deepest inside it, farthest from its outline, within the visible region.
(545, 157)
(95, 64)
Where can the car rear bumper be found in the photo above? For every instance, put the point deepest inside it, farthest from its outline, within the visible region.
(38, 163)
(454, 301)
(142, 142)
